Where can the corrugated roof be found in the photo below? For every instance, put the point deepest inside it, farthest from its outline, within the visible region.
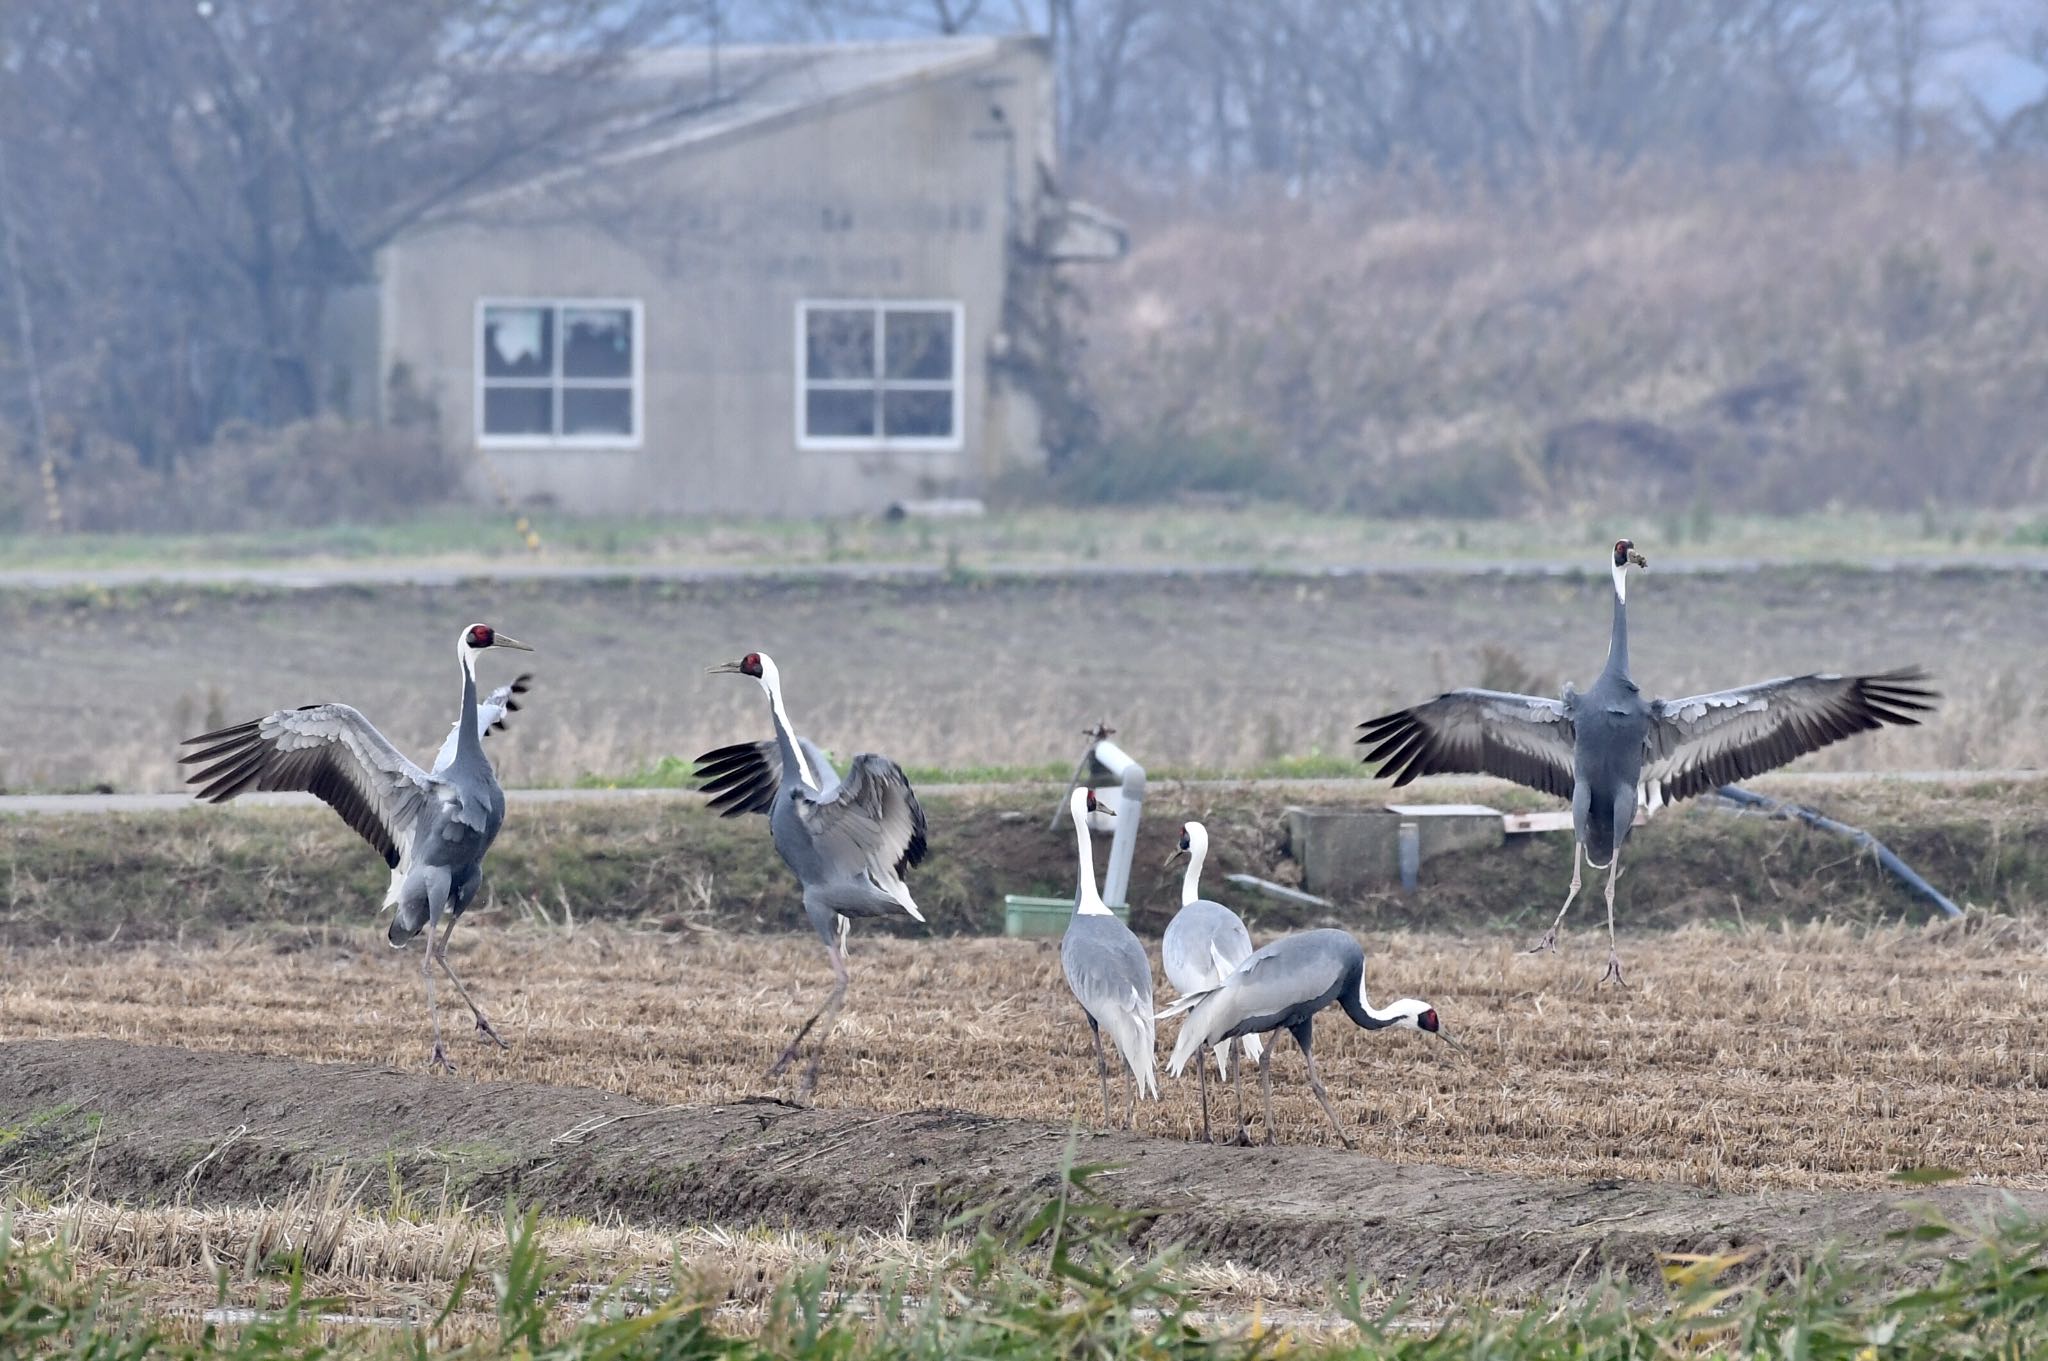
(672, 98)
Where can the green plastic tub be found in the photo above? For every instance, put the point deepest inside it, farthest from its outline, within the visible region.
(1026, 916)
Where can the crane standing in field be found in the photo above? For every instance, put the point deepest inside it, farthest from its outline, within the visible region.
(1203, 943)
(1282, 987)
(848, 842)
(432, 827)
(1609, 749)
(1109, 974)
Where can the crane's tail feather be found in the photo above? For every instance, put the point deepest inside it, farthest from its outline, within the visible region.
(1253, 1047)
(1187, 1001)
(1131, 1027)
(406, 922)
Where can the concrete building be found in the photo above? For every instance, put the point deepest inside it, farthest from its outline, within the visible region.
(825, 288)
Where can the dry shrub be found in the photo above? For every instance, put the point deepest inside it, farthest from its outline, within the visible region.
(1751, 338)
(311, 473)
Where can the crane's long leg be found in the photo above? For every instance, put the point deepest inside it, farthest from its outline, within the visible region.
(1238, 1085)
(1266, 1081)
(1202, 1072)
(441, 953)
(1549, 940)
(830, 1007)
(1315, 1084)
(439, 1058)
(1101, 1068)
(1130, 1098)
(1613, 954)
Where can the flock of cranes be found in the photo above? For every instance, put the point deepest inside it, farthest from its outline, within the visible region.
(850, 841)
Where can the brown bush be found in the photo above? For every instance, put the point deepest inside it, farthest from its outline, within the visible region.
(311, 473)
(1751, 338)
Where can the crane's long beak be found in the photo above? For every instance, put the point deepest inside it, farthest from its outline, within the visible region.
(1175, 854)
(500, 640)
(1444, 1035)
(724, 669)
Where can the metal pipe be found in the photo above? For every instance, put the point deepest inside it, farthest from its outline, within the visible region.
(1123, 843)
(1409, 845)
(1882, 853)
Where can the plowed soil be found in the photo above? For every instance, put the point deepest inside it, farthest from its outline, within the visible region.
(178, 1124)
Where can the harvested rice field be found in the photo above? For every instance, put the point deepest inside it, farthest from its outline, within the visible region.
(1813, 1058)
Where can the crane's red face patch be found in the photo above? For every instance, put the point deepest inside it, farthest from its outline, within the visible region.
(480, 635)
(1621, 551)
(1427, 1020)
(1091, 801)
(750, 665)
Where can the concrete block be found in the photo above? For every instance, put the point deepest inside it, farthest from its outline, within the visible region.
(1348, 849)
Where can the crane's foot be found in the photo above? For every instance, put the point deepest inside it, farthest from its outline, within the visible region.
(439, 1061)
(485, 1029)
(1613, 971)
(1269, 1141)
(1349, 1142)
(810, 1080)
(1549, 942)
(787, 1057)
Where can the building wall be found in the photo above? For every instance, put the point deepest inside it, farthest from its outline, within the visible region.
(905, 195)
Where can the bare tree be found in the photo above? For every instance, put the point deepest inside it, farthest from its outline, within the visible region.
(229, 166)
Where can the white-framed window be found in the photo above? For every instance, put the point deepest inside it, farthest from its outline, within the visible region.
(879, 375)
(559, 371)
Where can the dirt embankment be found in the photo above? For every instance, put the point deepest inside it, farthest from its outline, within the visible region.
(156, 876)
(156, 1124)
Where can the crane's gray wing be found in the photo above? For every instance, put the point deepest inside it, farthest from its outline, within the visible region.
(1706, 741)
(491, 716)
(330, 751)
(1110, 977)
(1524, 738)
(871, 821)
(744, 778)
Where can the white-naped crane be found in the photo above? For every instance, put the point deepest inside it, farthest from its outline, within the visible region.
(1282, 987)
(1203, 943)
(431, 826)
(849, 842)
(1609, 749)
(1109, 974)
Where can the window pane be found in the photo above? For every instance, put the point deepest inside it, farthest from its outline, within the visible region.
(839, 343)
(597, 342)
(917, 415)
(519, 411)
(839, 413)
(920, 344)
(597, 411)
(519, 342)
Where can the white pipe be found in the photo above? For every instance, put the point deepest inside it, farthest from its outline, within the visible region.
(1123, 844)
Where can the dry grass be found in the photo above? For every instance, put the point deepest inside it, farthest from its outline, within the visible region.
(1818, 1057)
(1746, 339)
(397, 1262)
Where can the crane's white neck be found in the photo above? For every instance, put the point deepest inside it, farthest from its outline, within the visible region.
(1403, 1012)
(771, 681)
(1198, 850)
(467, 741)
(1620, 581)
(1090, 902)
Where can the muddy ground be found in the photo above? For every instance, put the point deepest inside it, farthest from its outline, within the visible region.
(158, 1124)
(1195, 672)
